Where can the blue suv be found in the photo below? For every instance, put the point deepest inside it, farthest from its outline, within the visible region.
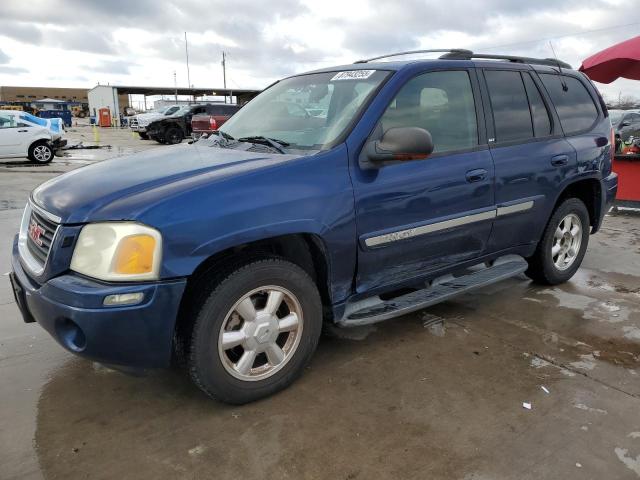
(350, 195)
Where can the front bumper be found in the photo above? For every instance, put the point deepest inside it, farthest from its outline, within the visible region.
(138, 128)
(58, 143)
(70, 308)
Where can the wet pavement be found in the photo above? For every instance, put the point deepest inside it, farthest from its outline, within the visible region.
(438, 394)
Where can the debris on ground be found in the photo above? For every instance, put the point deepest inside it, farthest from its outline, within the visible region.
(82, 146)
(434, 323)
(545, 389)
(526, 405)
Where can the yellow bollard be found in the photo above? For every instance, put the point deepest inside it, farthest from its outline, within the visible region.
(96, 134)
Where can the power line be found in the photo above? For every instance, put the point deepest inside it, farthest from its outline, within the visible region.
(585, 32)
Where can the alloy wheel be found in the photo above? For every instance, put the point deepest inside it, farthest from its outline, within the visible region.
(566, 241)
(260, 333)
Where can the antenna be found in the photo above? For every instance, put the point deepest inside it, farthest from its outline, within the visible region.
(186, 50)
(562, 82)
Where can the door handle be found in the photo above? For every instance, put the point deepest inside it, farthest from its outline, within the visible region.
(559, 160)
(476, 175)
(23, 131)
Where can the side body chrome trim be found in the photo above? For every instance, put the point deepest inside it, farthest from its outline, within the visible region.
(432, 227)
(518, 207)
(446, 224)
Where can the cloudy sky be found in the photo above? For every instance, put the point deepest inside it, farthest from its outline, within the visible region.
(81, 42)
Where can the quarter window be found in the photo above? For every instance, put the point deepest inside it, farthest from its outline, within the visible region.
(440, 102)
(511, 115)
(575, 107)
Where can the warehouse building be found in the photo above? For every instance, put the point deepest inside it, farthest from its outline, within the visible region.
(31, 94)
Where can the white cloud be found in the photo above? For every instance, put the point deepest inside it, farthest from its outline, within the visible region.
(79, 43)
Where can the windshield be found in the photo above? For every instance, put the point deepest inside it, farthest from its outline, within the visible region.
(307, 112)
(616, 116)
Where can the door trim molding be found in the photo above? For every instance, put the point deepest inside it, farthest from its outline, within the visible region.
(391, 237)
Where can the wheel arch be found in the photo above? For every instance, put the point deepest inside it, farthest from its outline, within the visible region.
(589, 191)
(306, 250)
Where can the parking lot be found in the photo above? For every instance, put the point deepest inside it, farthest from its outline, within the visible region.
(436, 394)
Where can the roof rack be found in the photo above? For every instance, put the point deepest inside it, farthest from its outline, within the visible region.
(462, 54)
(434, 50)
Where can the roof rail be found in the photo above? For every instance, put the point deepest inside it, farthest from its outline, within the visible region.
(462, 54)
(410, 52)
(468, 55)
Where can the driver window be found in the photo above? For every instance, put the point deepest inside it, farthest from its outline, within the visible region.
(440, 102)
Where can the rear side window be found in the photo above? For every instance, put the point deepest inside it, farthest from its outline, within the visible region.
(510, 107)
(575, 107)
(440, 102)
(539, 112)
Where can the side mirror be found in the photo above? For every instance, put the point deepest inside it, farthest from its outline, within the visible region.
(400, 143)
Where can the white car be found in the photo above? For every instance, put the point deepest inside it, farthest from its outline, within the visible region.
(138, 123)
(25, 135)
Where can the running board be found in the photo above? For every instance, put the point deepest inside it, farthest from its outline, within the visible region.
(451, 287)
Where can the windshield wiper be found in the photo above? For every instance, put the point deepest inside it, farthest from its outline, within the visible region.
(272, 142)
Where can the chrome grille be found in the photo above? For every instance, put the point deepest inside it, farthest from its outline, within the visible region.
(48, 228)
(37, 234)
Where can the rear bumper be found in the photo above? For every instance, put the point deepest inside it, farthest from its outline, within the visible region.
(70, 308)
(609, 191)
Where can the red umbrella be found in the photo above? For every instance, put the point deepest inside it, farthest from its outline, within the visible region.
(620, 60)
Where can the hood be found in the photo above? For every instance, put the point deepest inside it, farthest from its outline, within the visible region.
(145, 118)
(86, 194)
(54, 125)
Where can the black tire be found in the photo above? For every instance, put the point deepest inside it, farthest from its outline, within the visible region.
(143, 135)
(40, 152)
(173, 135)
(542, 268)
(219, 295)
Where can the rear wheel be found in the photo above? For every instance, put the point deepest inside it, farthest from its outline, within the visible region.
(40, 152)
(173, 135)
(255, 331)
(563, 245)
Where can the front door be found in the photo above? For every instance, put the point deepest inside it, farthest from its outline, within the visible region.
(418, 216)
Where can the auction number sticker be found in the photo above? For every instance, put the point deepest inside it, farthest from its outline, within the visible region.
(353, 75)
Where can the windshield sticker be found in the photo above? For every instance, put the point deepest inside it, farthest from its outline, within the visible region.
(353, 75)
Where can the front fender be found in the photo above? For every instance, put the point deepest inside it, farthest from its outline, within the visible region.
(311, 195)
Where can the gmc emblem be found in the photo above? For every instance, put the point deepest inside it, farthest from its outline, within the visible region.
(35, 232)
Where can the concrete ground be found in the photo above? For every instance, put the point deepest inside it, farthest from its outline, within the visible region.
(434, 395)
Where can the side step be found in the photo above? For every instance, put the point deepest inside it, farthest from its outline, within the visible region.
(452, 287)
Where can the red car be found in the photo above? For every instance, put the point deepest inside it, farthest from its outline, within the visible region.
(213, 119)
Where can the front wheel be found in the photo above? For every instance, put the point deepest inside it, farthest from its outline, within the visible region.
(563, 244)
(40, 152)
(143, 135)
(255, 331)
(173, 135)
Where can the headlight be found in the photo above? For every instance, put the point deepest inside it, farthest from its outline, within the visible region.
(118, 251)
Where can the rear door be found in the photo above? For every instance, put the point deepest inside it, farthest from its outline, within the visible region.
(531, 156)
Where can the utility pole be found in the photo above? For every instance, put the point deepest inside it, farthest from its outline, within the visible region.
(224, 74)
(186, 50)
(175, 85)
